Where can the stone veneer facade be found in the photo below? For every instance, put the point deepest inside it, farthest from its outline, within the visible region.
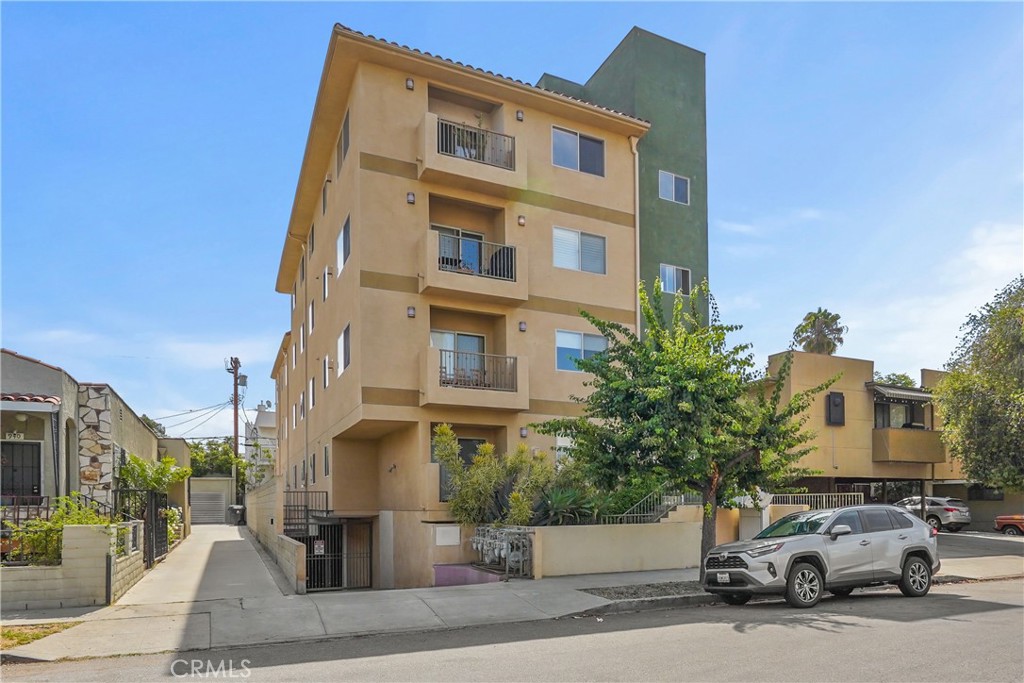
(96, 447)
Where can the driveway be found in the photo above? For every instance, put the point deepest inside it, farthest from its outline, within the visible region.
(215, 562)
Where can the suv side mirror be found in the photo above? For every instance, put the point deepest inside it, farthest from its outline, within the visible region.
(840, 530)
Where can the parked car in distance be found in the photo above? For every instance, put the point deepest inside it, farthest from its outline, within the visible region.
(807, 553)
(942, 513)
(1011, 525)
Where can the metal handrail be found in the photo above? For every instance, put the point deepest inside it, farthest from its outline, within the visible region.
(654, 506)
(466, 370)
(476, 144)
(476, 257)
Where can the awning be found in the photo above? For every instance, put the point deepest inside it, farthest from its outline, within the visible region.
(29, 403)
(900, 393)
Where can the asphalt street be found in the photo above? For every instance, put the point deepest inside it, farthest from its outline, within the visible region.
(974, 544)
(959, 632)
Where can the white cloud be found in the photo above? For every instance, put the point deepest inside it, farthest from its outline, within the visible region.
(209, 355)
(738, 228)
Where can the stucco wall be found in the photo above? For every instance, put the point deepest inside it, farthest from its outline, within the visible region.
(598, 549)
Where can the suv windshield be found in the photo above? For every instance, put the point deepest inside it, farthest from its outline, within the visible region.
(799, 524)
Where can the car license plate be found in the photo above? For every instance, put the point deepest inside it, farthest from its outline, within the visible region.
(723, 577)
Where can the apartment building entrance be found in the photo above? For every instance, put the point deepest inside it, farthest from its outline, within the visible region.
(340, 556)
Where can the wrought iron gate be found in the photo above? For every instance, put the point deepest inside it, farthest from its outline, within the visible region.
(340, 556)
(151, 508)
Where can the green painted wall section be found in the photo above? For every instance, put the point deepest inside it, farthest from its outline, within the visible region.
(663, 82)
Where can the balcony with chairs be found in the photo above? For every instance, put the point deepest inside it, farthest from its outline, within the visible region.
(460, 378)
(472, 268)
(469, 156)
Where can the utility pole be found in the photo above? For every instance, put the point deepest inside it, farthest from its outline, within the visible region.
(233, 366)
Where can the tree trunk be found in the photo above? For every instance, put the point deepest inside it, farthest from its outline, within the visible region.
(707, 530)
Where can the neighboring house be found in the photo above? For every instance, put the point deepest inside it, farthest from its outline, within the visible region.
(880, 440)
(261, 438)
(448, 226)
(61, 435)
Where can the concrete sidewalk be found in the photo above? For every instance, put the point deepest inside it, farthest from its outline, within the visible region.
(153, 617)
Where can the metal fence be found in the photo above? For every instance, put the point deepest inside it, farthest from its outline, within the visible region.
(129, 537)
(31, 546)
(508, 549)
(299, 507)
(653, 507)
(476, 144)
(467, 370)
(818, 501)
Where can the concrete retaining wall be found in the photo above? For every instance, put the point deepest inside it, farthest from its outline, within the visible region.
(262, 517)
(81, 578)
(125, 573)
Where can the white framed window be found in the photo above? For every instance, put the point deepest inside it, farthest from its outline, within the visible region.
(570, 346)
(302, 338)
(576, 151)
(312, 316)
(295, 411)
(326, 367)
(327, 462)
(326, 287)
(344, 349)
(343, 141)
(578, 250)
(674, 188)
(293, 355)
(312, 467)
(675, 279)
(294, 289)
(312, 392)
(344, 244)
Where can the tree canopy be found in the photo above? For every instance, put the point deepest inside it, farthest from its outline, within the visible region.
(683, 404)
(215, 457)
(896, 379)
(820, 332)
(982, 396)
(157, 428)
(158, 476)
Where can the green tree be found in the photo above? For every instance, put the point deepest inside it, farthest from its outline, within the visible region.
(685, 405)
(216, 457)
(158, 476)
(820, 332)
(157, 428)
(492, 488)
(981, 399)
(896, 379)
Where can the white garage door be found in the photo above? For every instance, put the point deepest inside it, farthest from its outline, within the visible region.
(208, 508)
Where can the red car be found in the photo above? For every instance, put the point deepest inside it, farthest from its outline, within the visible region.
(1011, 525)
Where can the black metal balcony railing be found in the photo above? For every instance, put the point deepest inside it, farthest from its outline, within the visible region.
(299, 509)
(476, 144)
(467, 370)
(476, 257)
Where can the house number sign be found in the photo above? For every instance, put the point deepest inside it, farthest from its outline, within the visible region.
(14, 436)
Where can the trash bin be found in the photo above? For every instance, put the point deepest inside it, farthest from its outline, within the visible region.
(236, 514)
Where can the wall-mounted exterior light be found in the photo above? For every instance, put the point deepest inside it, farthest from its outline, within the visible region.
(521, 220)
(519, 114)
(522, 326)
(410, 312)
(523, 432)
(410, 84)
(410, 197)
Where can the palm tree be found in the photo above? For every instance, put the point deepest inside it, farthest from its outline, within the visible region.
(820, 332)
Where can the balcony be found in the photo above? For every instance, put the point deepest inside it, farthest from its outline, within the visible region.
(481, 380)
(467, 156)
(472, 269)
(907, 445)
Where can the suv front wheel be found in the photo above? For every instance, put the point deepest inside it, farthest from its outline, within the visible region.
(917, 578)
(804, 586)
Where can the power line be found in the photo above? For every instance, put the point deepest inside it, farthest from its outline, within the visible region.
(206, 420)
(197, 417)
(186, 412)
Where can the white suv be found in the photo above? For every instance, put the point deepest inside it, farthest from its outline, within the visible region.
(806, 553)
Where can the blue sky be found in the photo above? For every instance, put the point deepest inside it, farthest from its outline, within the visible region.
(868, 158)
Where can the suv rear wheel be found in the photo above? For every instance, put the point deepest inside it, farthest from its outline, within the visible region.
(804, 586)
(917, 578)
(736, 598)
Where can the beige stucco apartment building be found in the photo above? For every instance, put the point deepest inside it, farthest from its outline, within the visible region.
(448, 226)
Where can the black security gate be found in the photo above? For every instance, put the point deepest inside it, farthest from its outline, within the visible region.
(151, 508)
(21, 471)
(340, 556)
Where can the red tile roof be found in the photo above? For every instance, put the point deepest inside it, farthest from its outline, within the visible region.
(31, 398)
